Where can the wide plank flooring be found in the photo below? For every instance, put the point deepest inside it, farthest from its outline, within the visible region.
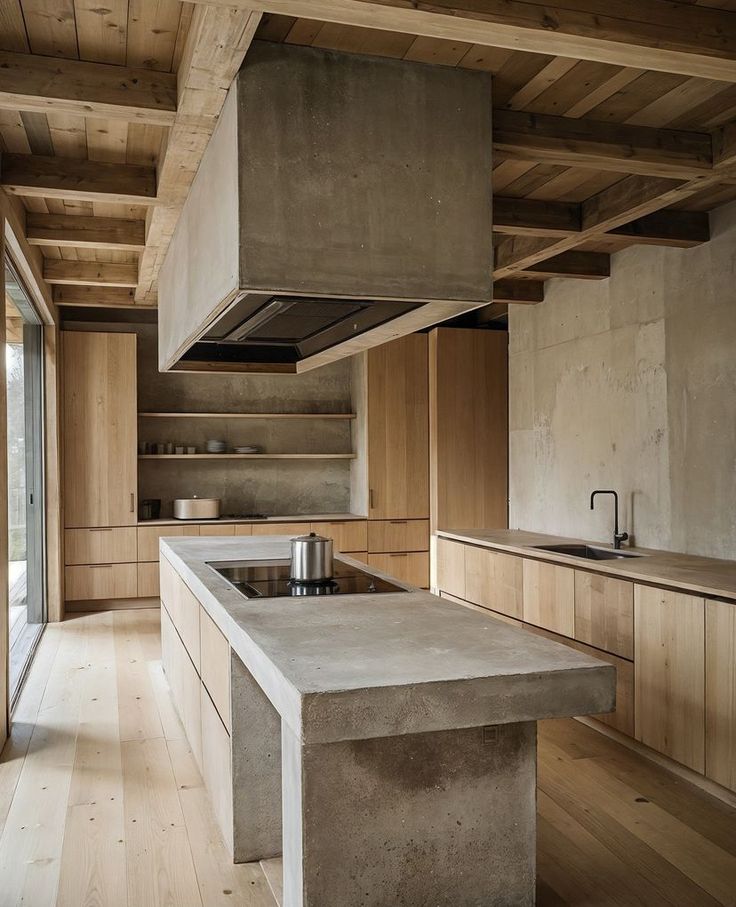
(101, 804)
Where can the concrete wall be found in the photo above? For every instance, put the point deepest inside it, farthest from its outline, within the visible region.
(630, 383)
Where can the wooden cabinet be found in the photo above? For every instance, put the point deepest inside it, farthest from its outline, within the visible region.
(100, 581)
(148, 538)
(410, 567)
(398, 429)
(549, 597)
(451, 567)
(148, 581)
(243, 529)
(183, 609)
(100, 429)
(398, 535)
(215, 665)
(210, 529)
(280, 528)
(217, 766)
(494, 580)
(604, 613)
(103, 545)
(184, 682)
(669, 648)
(347, 535)
(720, 692)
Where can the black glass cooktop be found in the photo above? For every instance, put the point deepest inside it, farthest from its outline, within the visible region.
(271, 579)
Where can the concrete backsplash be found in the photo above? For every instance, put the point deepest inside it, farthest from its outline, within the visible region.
(630, 383)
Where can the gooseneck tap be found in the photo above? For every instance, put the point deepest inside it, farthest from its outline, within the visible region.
(618, 537)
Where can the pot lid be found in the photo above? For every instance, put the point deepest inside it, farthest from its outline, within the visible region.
(311, 539)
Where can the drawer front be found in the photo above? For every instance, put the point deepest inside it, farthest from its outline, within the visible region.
(148, 581)
(604, 613)
(451, 567)
(216, 529)
(184, 683)
(183, 609)
(549, 597)
(148, 537)
(280, 528)
(217, 767)
(100, 581)
(100, 546)
(242, 529)
(398, 535)
(494, 580)
(215, 662)
(409, 567)
(346, 536)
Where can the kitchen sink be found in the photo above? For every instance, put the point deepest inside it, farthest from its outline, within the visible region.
(589, 552)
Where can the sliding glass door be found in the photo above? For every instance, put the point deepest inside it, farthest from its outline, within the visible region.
(26, 549)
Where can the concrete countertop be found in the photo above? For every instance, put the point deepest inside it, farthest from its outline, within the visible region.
(356, 666)
(707, 576)
(300, 518)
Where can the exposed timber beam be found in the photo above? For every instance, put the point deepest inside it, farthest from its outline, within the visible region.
(59, 177)
(525, 292)
(216, 45)
(646, 34)
(95, 297)
(52, 85)
(90, 273)
(569, 142)
(82, 232)
(582, 265)
(534, 217)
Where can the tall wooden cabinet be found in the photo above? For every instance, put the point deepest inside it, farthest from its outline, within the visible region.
(100, 430)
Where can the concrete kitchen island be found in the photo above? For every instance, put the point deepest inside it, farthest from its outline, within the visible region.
(384, 743)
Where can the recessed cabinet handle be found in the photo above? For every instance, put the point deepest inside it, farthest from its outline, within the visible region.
(99, 529)
(370, 498)
(398, 522)
(400, 554)
(132, 502)
(101, 566)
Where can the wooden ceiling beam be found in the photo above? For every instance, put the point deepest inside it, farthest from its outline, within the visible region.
(524, 292)
(216, 45)
(644, 34)
(53, 85)
(569, 142)
(90, 273)
(95, 297)
(581, 265)
(82, 232)
(37, 175)
(679, 229)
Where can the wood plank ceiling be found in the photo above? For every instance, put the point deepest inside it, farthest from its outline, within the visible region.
(106, 110)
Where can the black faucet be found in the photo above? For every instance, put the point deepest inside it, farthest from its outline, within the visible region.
(618, 537)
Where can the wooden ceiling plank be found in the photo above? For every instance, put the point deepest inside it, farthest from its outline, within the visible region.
(52, 177)
(676, 102)
(102, 30)
(68, 134)
(90, 273)
(12, 27)
(434, 50)
(647, 34)
(13, 132)
(42, 84)
(605, 146)
(97, 297)
(204, 78)
(618, 82)
(51, 28)
(107, 140)
(153, 27)
(37, 129)
(546, 77)
(85, 232)
(724, 145)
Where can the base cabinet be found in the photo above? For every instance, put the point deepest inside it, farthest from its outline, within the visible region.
(670, 674)
(494, 580)
(720, 693)
(184, 682)
(549, 597)
(410, 567)
(451, 567)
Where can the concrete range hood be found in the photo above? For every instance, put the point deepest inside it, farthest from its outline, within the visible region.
(342, 201)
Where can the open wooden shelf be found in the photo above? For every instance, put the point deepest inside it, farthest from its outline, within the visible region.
(256, 456)
(247, 415)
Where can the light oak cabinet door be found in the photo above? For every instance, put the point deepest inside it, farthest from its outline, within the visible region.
(348, 535)
(720, 693)
(184, 683)
(451, 567)
(217, 772)
(210, 529)
(100, 546)
(604, 613)
(669, 646)
(398, 535)
(398, 429)
(549, 597)
(411, 567)
(494, 580)
(148, 581)
(215, 665)
(289, 529)
(100, 429)
(100, 581)
(148, 538)
(183, 608)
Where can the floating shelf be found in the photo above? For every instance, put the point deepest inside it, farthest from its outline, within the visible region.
(258, 456)
(247, 415)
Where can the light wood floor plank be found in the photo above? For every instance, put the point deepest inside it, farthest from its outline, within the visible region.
(138, 713)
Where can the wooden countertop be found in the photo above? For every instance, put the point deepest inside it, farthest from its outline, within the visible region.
(708, 576)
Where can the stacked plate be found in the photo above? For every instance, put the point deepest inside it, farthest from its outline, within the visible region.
(248, 449)
(215, 447)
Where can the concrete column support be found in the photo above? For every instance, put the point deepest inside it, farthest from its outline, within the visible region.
(446, 818)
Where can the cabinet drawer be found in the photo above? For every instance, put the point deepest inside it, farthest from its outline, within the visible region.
(217, 767)
(410, 567)
(101, 581)
(148, 581)
(242, 529)
(549, 597)
(351, 535)
(183, 609)
(217, 529)
(280, 528)
(215, 665)
(100, 546)
(604, 613)
(148, 537)
(398, 535)
(184, 683)
(451, 567)
(494, 580)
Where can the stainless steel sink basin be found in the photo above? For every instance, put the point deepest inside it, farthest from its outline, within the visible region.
(589, 552)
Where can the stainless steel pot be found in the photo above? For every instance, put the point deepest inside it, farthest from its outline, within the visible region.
(311, 558)
(196, 508)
